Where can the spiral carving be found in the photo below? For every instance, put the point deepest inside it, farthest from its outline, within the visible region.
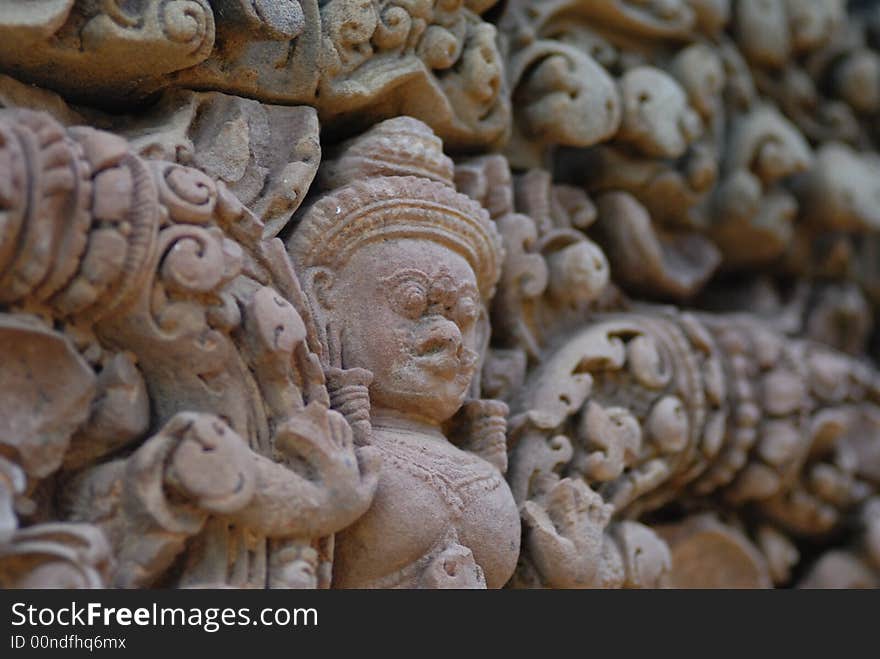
(188, 22)
(80, 219)
(193, 259)
(189, 195)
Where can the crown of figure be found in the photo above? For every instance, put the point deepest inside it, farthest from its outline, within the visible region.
(395, 182)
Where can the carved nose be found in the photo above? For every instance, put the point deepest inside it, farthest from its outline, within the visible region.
(441, 336)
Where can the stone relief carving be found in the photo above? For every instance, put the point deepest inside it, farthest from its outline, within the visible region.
(355, 60)
(374, 293)
(651, 406)
(175, 369)
(398, 267)
(61, 44)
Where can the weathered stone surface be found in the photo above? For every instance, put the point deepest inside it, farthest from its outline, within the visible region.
(398, 267)
(708, 554)
(164, 287)
(369, 293)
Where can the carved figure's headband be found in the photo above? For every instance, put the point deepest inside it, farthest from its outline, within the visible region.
(395, 182)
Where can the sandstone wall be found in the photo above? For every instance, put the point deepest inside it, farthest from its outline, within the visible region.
(439, 293)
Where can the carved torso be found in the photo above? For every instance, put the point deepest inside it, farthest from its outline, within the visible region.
(431, 497)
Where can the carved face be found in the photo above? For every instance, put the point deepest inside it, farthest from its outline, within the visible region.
(407, 311)
(657, 118)
(569, 99)
(473, 81)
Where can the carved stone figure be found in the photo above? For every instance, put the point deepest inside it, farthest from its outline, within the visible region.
(245, 460)
(399, 268)
(368, 293)
(357, 61)
(709, 404)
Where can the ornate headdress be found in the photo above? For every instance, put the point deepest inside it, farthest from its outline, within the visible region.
(395, 182)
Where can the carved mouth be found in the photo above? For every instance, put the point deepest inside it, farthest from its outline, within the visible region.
(438, 357)
(443, 363)
(433, 345)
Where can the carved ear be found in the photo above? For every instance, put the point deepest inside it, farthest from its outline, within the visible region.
(484, 332)
(318, 282)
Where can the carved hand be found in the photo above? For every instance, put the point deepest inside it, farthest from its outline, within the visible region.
(346, 476)
(211, 465)
(566, 534)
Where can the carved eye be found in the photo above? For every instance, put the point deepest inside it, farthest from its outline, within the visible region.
(411, 299)
(443, 296)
